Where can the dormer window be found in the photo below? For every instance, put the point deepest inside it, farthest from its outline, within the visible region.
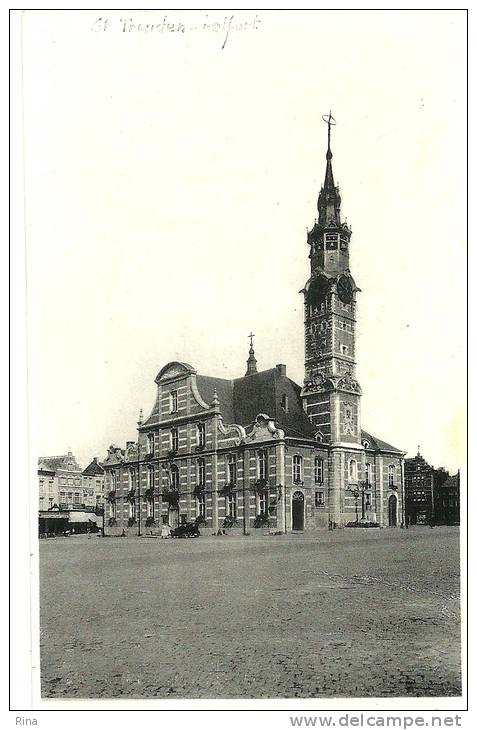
(173, 401)
(284, 402)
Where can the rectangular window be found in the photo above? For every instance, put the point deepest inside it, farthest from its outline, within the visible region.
(174, 439)
(76, 499)
(319, 499)
(284, 402)
(150, 443)
(132, 479)
(232, 505)
(262, 465)
(368, 473)
(201, 472)
(318, 470)
(132, 509)
(150, 478)
(297, 469)
(112, 510)
(391, 474)
(173, 401)
(263, 503)
(201, 505)
(232, 468)
(150, 508)
(201, 435)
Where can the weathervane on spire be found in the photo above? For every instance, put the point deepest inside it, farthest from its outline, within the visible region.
(331, 122)
(251, 335)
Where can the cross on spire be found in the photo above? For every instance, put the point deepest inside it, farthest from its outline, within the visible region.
(251, 362)
(331, 122)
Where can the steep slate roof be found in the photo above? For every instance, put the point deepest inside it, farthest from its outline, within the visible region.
(93, 469)
(379, 445)
(206, 386)
(66, 462)
(242, 399)
(262, 393)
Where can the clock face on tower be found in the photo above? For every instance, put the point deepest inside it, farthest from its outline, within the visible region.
(318, 290)
(345, 289)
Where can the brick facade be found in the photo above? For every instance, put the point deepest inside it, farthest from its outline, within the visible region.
(239, 454)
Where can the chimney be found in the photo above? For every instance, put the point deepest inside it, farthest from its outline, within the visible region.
(282, 370)
(95, 459)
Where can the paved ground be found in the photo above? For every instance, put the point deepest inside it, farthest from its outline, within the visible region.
(343, 613)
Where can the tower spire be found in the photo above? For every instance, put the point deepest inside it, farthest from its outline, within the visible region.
(329, 200)
(251, 362)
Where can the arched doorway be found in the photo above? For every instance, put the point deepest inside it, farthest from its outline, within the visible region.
(392, 510)
(298, 511)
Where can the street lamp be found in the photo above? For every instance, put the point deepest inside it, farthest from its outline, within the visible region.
(358, 490)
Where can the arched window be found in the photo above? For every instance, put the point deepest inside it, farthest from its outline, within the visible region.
(352, 470)
(391, 475)
(174, 477)
(132, 478)
(132, 509)
(297, 469)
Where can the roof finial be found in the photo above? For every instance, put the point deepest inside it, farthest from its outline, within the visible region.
(215, 399)
(331, 122)
(251, 362)
(140, 419)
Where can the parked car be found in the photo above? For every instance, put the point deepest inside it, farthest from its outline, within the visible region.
(187, 529)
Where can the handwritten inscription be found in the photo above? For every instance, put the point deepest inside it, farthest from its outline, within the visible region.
(224, 28)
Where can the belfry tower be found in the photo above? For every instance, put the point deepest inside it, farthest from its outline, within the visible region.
(331, 394)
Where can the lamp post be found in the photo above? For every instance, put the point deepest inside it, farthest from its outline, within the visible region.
(359, 490)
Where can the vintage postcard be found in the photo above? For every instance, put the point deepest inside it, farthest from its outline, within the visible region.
(246, 324)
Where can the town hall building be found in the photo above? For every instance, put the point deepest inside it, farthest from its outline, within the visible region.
(261, 451)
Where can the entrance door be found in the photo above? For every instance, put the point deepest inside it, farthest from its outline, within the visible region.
(392, 510)
(298, 511)
(173, 517)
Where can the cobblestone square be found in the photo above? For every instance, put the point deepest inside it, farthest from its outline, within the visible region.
(351, 613)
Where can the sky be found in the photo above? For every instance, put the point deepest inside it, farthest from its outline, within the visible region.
(170, 177)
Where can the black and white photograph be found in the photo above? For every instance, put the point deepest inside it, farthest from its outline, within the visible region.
(245, 241)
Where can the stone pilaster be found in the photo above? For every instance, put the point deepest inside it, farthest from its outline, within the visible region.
(380, 491)
(280, 476)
